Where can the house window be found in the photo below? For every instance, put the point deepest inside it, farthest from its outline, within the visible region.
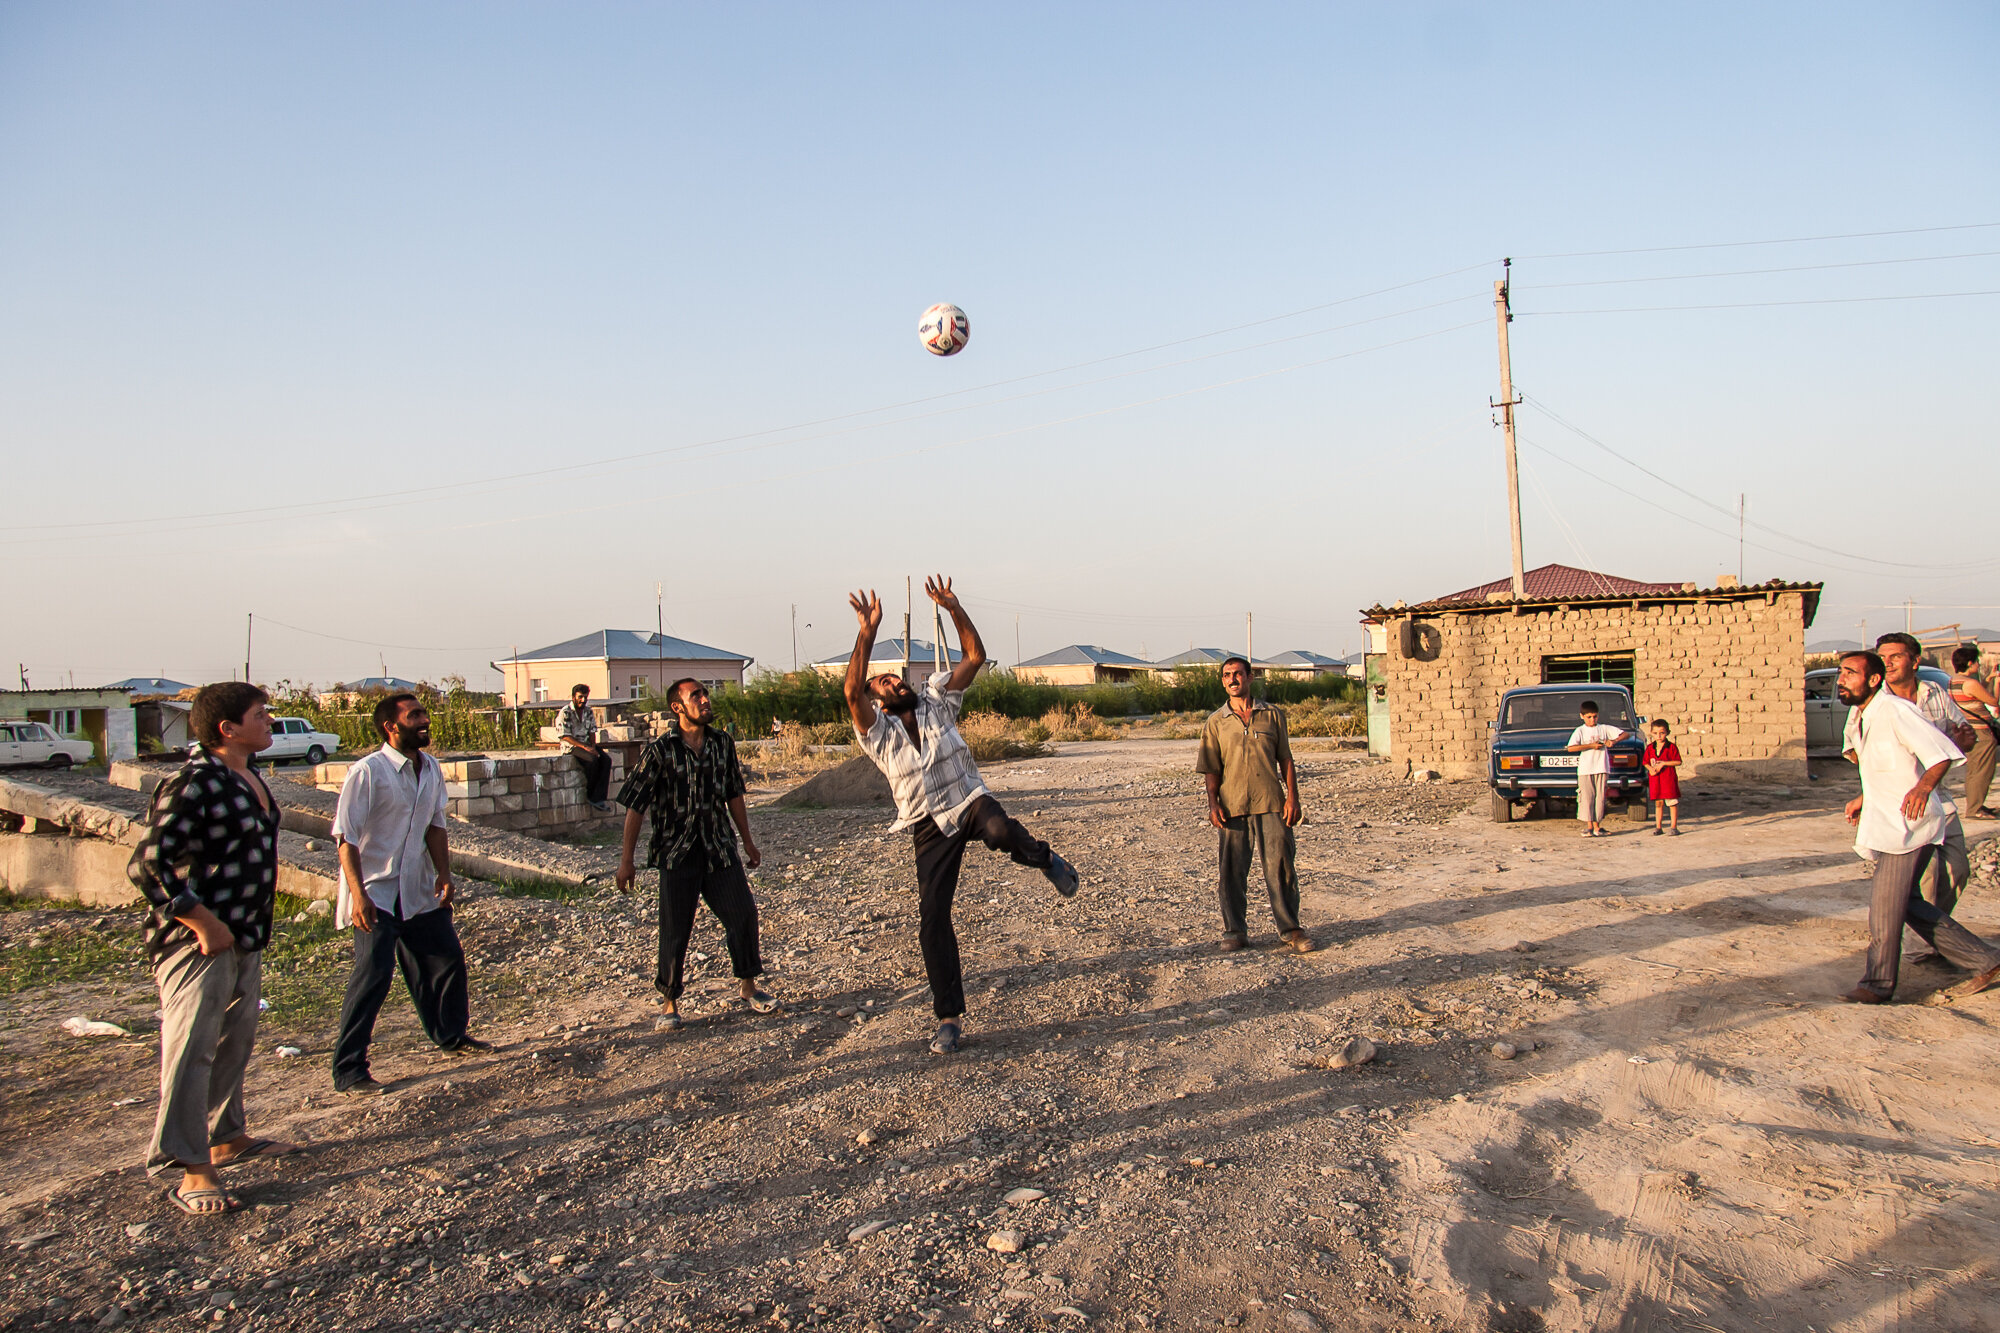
(1591, 669)
(639, 684)
(538, 691)
(66, 721)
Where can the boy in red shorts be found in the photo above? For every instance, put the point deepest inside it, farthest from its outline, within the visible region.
(1663, 781)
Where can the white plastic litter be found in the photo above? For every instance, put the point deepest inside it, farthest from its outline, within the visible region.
(288, 1051)
(79, 1026)
(262, 1004)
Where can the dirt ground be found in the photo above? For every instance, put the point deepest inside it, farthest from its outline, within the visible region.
(1694, 1135)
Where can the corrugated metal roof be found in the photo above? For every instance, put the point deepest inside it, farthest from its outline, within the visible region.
(1198, 657)
(1086, 654)
(148, 685)
(1304, 657)
(1551, 583)
(623, 644)
(891, 650)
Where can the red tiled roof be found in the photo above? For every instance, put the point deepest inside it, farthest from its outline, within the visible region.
(1555, 582)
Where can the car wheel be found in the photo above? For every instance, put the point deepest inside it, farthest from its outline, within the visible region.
(1503, 809)
(315, 756)
(60, 761)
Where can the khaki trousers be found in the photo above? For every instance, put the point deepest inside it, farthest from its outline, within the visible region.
(1979, 764)
(208, 1029)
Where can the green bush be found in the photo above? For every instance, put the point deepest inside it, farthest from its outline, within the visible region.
(776, 696)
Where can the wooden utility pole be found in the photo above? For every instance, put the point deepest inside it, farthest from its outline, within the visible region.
(795, 636)
(909, 604)
(1742, 503)
(1250, 640)
(249, 628)
(1503, 314)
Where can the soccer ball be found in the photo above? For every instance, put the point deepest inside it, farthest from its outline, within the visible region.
(944, 329)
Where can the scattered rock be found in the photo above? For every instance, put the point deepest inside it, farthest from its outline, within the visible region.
(1418, 775)
(112, 1317)
(138, 1230)
(31, 1241)
(1522, 946)
(1006, 1242)
(1300, 1320)
(1016, 1294)
(1069, 1312)
(1504, 1050)
(312, 845)
(866, 1229)
(1025, 1195)
(1351, 1052)
(869, 1136)
(319, 907)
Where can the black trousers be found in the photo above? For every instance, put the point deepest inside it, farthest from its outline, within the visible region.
(684, 886)
(425, 948)
(596, 773)
(938, 860)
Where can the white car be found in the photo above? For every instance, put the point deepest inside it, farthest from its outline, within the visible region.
(33, 743)
(295, 738)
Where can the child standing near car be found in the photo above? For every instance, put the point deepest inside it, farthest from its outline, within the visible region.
(1663, 779)
(1592, 746)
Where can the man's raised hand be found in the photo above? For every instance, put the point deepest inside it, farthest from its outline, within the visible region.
(867, 608)
(938, 588)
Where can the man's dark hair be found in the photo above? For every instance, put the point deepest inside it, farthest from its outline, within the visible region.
(1587, 706)
(1227, 660)
(674, 690)
(1909, 641)
(583, 690)
(1874, 665)
(227, 701)
(386, 711)
(1963, 656)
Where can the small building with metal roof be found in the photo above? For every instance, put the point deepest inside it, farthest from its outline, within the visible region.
(616, 665)
(1082, 664)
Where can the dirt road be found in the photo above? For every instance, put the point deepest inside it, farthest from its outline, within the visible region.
(1699, 1138)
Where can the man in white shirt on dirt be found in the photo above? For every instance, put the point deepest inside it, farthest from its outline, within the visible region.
(1899, 825)
(1592, 743)
(1901, 654)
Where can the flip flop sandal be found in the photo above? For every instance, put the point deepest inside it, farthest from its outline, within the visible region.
(946, 1041)
(761, 1001)
(669, 1023)
(186, 1202)
(260, 1148)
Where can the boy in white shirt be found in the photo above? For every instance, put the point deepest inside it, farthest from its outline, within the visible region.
(1593, 770)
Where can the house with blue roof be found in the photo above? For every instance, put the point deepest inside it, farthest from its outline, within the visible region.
(617, 665)
(1082, 664)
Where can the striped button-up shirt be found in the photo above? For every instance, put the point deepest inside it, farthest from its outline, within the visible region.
(933, 776)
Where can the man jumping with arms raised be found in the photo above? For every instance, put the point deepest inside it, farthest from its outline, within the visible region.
(913, 738)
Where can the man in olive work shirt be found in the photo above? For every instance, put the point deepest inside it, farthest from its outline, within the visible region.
(691, 782)
(1253, 799)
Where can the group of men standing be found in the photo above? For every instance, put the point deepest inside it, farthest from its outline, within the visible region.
(208, 863)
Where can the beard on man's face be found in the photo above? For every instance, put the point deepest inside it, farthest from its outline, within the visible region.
(408, 738)
(1853, 697)
(898, 698)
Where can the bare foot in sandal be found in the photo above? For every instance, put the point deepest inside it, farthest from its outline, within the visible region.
(201, 1193)
(248, 1145)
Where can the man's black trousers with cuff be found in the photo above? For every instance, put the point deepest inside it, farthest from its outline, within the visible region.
(938, 860)
(596, 773)
(425, 948)
(684, 886)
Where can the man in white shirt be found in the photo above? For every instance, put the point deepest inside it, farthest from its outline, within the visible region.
(576, 733)
(396, 889)
(1899, 823)
(914, 740)
(1593, 769)
(1900, 654)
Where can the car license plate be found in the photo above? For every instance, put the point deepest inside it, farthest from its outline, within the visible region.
(1559, 760)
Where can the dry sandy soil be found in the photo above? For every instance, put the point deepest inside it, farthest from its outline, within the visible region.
(1695, 1135)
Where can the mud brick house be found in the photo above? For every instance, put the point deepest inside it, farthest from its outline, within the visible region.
(1724, 665)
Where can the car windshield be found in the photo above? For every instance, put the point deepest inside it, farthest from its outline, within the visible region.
(1558, 711)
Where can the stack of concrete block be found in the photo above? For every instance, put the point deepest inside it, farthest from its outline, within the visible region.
(532, 792)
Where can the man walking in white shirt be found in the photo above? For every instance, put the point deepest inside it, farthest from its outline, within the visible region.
(1899, 824)
(1900, 654)
(397, 891)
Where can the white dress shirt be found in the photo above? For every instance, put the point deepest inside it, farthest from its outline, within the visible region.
(1895, 744)
(1934, 701)
(386, 805)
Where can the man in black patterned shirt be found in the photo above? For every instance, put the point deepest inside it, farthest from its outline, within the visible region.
(689, 779)
(208, 865)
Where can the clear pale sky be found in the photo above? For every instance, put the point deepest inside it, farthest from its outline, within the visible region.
(302, 308)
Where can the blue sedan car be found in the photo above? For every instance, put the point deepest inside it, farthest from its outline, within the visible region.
(1527, 758)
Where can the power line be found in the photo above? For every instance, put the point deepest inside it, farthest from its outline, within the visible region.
(1756, 272)
(372, 643)
(1755, 305)
(1929, 566)
(1778, 240)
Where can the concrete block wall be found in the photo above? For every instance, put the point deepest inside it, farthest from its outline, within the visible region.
(1728, 674)
(531, 792)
